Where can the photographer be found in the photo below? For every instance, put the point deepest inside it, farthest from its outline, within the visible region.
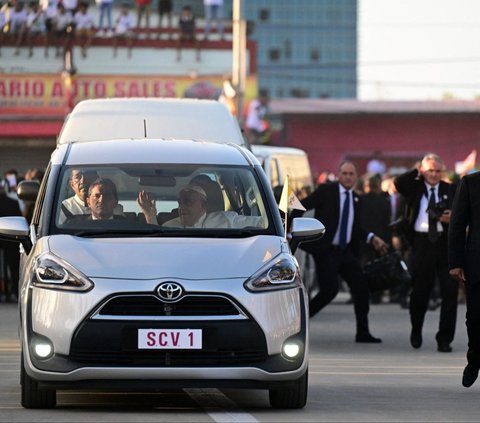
(427, 214)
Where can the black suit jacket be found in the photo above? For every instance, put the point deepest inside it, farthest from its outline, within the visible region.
(9, 206)
(326, 202)
(464, 230)
(412, 186)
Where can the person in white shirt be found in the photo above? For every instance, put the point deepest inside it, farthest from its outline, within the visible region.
(49, 8)
(256, 127)
(83, 27)
(71, 6)
(79, 182)
(17, 24)
(192, 212)
(63, 28)
(376, 164)
(124, 25)
(75, 205)
(36, 26)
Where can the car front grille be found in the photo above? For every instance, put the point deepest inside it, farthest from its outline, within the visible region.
(148, 305)
(115, 343)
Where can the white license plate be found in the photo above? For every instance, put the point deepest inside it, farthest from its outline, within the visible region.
(170, 339)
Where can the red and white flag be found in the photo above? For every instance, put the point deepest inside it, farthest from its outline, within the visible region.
(462, 168)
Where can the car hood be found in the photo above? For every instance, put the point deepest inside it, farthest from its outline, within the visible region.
(148, 258)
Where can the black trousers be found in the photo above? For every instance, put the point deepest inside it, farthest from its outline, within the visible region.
(472, 291)
(342, 263)
(429, 263)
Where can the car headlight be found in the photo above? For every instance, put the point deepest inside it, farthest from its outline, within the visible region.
(50, 271)
(280, 273)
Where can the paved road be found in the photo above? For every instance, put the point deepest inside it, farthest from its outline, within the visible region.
(349, 382)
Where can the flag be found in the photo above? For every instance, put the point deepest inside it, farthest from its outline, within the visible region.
(462, 168)
(288, 199)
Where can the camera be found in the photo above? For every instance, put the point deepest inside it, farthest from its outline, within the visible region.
(437, 211)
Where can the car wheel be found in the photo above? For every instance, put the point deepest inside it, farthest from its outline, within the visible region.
(292, 396)
(32, 396)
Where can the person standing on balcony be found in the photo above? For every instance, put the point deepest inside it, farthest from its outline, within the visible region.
(143, 11)
(83, 27)
(165, 8)
(105, 13)
(213, 10)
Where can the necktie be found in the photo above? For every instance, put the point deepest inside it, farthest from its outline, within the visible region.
(342, 243)
(432, 221)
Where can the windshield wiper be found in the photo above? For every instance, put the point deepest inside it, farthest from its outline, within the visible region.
(116, 233)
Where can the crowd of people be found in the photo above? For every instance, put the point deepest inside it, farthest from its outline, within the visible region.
(11, 205)
(62, 23)
(418, 213)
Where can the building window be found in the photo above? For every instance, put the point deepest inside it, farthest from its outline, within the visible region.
(314, 55)
(299, 93)
(274, 54)
(264, 14)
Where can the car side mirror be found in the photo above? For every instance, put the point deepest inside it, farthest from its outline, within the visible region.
(305, 229)
(28, 190)
(15, 228)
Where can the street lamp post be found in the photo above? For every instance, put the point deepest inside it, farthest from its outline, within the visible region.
(239, 46)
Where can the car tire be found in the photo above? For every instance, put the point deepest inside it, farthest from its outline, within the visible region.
(292, 396)
(32, 396)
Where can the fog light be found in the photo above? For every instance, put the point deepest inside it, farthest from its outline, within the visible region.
(43, 349)
(291, 350)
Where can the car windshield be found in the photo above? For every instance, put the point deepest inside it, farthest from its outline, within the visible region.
(161, 200)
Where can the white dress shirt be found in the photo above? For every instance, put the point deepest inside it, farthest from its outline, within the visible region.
(421, 223)
(219, 219)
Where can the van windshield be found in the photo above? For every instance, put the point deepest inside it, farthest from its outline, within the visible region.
(161, 200)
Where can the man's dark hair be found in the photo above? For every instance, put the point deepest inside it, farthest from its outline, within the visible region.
(105, 182)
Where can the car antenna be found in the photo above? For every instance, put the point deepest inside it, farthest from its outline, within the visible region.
(145, 127)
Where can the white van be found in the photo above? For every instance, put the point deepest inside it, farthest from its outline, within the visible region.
(277, 162)
(175, 118)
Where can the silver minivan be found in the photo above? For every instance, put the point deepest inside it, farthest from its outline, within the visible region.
(130, 294)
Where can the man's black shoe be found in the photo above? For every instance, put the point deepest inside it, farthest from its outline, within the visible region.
(367, 338)
(470, 375)
(416, 339)
(446, 348)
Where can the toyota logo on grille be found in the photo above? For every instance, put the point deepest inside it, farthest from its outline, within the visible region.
(170, 291)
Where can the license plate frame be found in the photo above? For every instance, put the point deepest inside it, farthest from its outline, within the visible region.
(169, 339)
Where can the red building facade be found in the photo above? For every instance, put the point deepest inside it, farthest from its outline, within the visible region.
(333, 130)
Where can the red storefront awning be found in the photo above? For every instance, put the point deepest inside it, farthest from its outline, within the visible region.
(30, 129)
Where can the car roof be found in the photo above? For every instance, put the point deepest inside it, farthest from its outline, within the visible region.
(176, 118)
(146, 150)
(268, 150)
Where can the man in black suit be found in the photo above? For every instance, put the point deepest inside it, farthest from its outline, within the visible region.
(11, 254)
(338, 207)
(463, 258)
(427, 212)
